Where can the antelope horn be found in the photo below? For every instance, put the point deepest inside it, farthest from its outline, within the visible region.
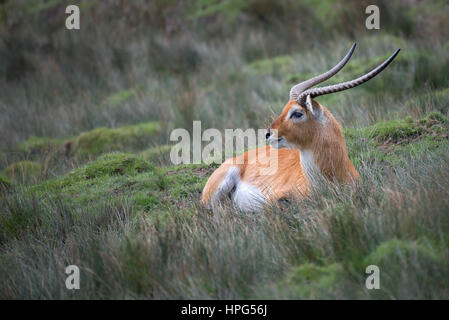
(296, 90)
(315, 92)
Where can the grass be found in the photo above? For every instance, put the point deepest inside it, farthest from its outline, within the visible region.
(4, 183)
(86, 178)
(128, 176)
(102, 140)
(391, 142)
(23, 172)
(312, 249)
(140, 227)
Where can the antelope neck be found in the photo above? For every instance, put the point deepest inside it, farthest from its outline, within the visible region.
(325, 156)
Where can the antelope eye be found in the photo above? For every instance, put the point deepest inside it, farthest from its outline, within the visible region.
(296, 115)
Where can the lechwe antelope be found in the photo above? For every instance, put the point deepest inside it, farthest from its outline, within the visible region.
(307, 139)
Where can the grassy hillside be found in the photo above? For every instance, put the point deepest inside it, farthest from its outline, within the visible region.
(85, 174)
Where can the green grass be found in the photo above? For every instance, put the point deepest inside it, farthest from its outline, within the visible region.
(156, 188)
(420, 260)
(23, 172)
(392, 142)
(317, 248)
(280, 65)
(86, 178)
(5, 184)
(159, 154)
(38, 146)
(101, 140)
(309, 281)
(156, 241)
(437, 100)
(128, 176)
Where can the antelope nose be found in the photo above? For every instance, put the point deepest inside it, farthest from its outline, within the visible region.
(268, 134)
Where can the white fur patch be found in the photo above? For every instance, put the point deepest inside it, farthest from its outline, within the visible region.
(245, 196)
(224, 189)
(308, 163)
(309, 104)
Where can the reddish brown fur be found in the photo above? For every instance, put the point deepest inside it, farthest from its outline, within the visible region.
(325, 140)
(286, 179)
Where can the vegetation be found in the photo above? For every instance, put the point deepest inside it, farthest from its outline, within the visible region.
(102, 140)
(23, 171)
(86, 178)
(4, 183)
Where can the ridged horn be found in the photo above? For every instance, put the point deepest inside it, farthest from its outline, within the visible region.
(315, 92)
(296, 90)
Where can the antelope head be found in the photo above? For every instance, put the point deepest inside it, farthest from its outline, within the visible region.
(306, 125)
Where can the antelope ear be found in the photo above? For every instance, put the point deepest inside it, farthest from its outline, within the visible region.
(309, 104)
(316, 111)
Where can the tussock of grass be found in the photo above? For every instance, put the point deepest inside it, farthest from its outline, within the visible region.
(403, 131)
(23, 172)
(39, 146)
(152, 189)
(420, 262)
(309, 281)
(125, 138)
(60, 154)
(393, 130)
(396, 140)
(159, 154)
(111, 165)
(436, 100)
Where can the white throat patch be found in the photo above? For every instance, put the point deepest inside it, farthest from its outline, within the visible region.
(308, 163)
